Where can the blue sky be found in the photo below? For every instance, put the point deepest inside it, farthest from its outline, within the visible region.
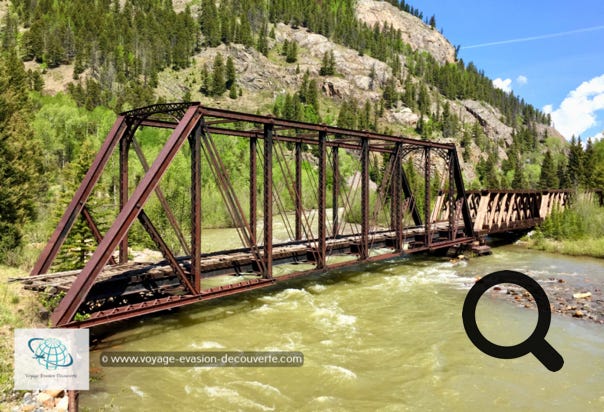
(551, 53)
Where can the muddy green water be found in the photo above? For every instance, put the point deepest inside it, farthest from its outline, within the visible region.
(385, 337)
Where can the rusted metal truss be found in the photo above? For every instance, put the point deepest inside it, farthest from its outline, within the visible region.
(417, 203)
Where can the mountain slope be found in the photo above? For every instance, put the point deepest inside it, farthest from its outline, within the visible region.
(414, 32)
(391, 68)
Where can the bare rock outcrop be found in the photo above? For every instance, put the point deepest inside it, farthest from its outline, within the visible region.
(490, 120)
(402, 115)
(349, 64)
(415, 32)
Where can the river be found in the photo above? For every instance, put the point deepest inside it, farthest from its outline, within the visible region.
(384, 336)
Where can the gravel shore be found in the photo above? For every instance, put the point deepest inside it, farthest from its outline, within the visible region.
(573, 296)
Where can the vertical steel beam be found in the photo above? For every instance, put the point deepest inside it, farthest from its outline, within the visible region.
(298, 191)
(427, 197)
(322, 245)
(461, 194)
(195, 144)
(120, 127)
(268, 201)
(76, 295)
(124, 192)
(396, 209)
(451, 200)
(364, 244)
(335, 190)
(253, 190)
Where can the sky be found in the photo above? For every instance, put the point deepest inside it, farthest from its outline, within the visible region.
(550, 53)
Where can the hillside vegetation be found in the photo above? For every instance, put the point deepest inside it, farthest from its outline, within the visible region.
(67, 67)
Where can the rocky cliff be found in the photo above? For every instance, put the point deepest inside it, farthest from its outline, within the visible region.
(414, 32)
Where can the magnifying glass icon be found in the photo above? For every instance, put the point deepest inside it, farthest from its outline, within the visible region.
(535, 344)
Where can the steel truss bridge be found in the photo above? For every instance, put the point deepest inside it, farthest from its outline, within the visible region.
(350, 222)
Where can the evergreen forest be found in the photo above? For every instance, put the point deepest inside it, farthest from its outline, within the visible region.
(119, 49)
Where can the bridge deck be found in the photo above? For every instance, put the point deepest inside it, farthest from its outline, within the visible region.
(224, 268)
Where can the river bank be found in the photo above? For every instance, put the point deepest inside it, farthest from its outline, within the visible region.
(592, 247)
(572, 296)
(575, 231)
(575, 296)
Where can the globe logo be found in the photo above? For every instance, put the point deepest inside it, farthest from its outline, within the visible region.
(50, 353)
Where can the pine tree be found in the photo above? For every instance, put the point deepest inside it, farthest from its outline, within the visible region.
(21, 165)
(492, 181)
(312, 96)
(519, 181)
(80, 243)
(233, 91)
(206, 81)
(328, 64)
(574, 168)
(225, 25)
(409, 94)
(218, 81)
(292, 52)
(292, 107)
(365, 117)
(548, 178)
(285, 47)
(390, 95)
(423, 100)
(348, 116)
(210, 23)
(563, 176)
(449, 124)
(589, 165)
(231, 74)
(303, 91)
(262, 44)
(245, 30)
(372, 76)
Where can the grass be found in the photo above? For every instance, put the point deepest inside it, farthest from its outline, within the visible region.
(576, 231)
(583, 247)
(18, 309)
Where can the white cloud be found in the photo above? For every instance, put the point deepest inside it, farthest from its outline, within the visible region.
(521, 80)
(505, 85)
(579, 110)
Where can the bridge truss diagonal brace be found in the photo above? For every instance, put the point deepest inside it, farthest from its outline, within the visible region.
(119, 129)
(69, 305)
